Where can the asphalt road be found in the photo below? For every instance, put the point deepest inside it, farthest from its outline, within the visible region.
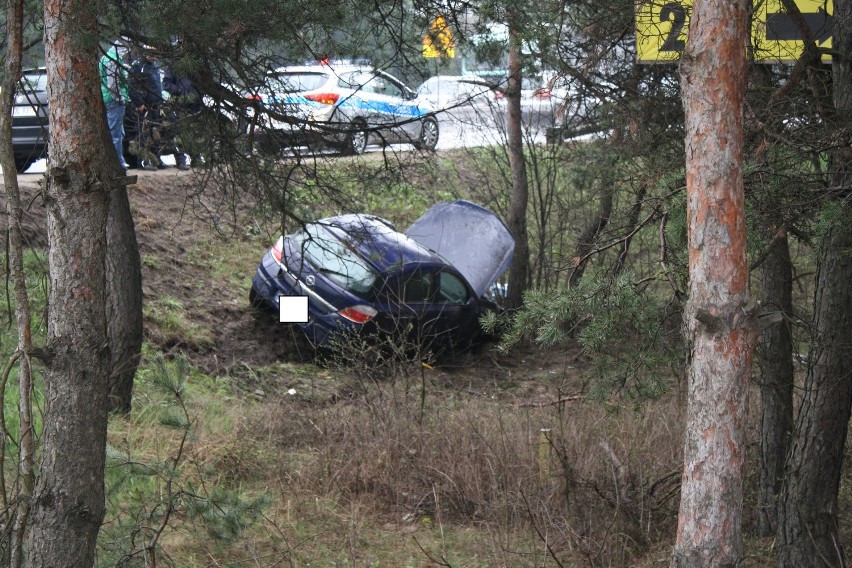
(466, 126)
(485, 125)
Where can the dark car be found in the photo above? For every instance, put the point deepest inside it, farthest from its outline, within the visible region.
(29, 119)
(362, 275)
(30, 124)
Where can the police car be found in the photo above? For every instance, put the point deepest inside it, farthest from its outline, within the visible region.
(346, 106)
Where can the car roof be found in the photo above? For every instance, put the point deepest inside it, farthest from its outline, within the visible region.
(333, 70)
(380, 244)
(35, 78)
(439, 78)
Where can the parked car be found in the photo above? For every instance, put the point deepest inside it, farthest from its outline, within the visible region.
(30, 123)
(362, 275)
(577, 111)
(452, 91)
(345, 106)
(30, 119)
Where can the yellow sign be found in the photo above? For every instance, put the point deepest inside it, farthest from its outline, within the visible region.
(439, 41)
(661, 27)
(776, 37)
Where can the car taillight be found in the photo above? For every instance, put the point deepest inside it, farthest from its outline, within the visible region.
(323, 98)
(254, 98)
(542, 94)
(277, 249)
(358, 314)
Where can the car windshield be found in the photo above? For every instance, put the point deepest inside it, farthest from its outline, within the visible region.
(334, 259)
(297, 82)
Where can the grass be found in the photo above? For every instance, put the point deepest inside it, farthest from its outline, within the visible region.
(36, 270)
(170, 316)
(376, 481)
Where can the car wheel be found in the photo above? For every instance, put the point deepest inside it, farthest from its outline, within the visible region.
(356, 138)
(270, 145)
(428, 135)
(255, 301)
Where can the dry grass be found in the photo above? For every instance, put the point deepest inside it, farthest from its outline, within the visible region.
(362, 469)
(595, 484)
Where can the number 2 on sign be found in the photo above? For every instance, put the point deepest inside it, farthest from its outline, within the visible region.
(675, 13)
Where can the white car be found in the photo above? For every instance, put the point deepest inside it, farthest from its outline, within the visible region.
(451, 91)
(345, 106)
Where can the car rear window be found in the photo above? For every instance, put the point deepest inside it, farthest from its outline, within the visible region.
(35, 81)
(335, 260)
(297, 82)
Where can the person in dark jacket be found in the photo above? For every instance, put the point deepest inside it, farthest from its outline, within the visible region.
(144, 112)
(185, 102)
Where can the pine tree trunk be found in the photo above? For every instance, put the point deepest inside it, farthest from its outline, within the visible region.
(718, 314)
(124, 301)
(517, 216)
(68, 501)
(807, 527)
(776, 383)
(586, 242)
(808, 517)
(15, 254)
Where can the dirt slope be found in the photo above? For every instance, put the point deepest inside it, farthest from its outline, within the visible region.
(197, 304)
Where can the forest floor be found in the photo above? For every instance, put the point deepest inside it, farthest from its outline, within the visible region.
(196, 303)
(199, 251)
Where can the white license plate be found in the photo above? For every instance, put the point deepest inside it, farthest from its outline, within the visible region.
(23, 111)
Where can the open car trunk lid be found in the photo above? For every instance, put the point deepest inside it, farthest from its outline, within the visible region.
(470, 237)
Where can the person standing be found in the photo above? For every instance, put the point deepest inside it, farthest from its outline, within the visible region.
(186, 104)
(114, 91)
(146, 98)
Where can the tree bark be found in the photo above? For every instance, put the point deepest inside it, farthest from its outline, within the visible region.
(586, 242)
(124, 300)
(807, 525)
(718, 316)
(776, 383)
(517, 218)
(68, 501)
(15, 254)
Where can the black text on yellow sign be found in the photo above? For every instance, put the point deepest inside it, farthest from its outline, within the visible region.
(776, 37)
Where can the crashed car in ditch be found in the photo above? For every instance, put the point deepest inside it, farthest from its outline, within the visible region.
(428, 284)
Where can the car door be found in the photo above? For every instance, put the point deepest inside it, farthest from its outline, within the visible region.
(403, 112)
(30, 119)
(405, 303)
(386, 104)
(434, 307)
(455, 311)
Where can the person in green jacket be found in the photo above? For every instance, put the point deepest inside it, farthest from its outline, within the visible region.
(115, 94)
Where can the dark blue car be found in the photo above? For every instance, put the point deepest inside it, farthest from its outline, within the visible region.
(360, 274)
